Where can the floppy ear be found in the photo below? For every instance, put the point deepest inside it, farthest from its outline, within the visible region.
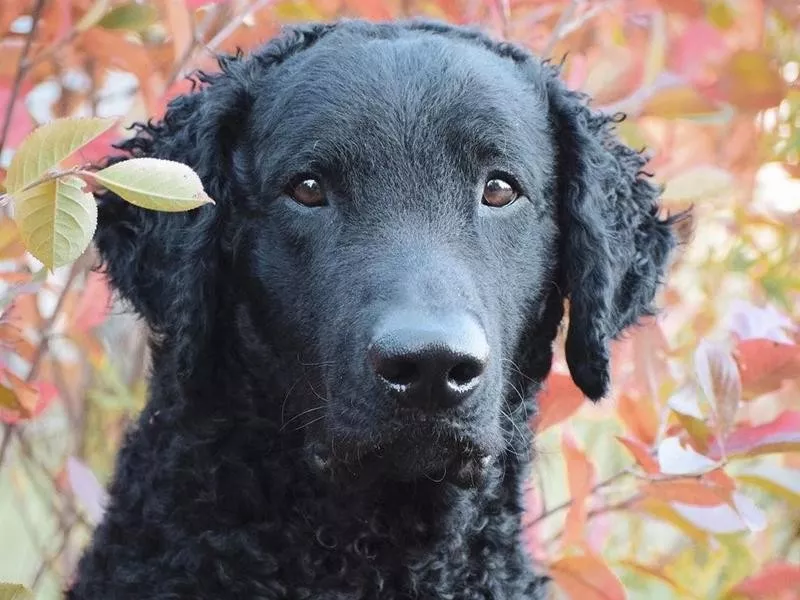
(167, 265)
(615, 246)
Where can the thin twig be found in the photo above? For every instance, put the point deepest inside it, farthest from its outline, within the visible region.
(567, 503)
(558, 30)
(234, 24)
(22, 70)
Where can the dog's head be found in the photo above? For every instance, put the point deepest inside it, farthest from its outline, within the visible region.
(402, 211)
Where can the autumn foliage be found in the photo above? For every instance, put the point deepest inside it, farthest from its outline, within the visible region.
(684, 484)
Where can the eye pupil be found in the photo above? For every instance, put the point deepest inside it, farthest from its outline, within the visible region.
(498, 192)
(308, 192)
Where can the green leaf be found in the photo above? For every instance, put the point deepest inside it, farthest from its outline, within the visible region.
(155, 184)
(14, 591)
(48, 145)
(57, 220)
(132, 16)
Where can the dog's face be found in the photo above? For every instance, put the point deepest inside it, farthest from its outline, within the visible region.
(401, 225)
(401, 212)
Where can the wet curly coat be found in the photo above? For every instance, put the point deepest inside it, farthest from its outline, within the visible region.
(269, 462)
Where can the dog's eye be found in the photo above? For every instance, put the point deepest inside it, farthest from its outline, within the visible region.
(498, 192)
(307, 191)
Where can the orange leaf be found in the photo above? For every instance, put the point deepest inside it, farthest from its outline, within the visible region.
(639, 416)
(586, 577)
(687, 491)
(559, 399)
(771, 581)
(765, 364)
(641, 454)
(181, 24)
(580, 479)
(94, 303)
(678, 102)
(751, 81)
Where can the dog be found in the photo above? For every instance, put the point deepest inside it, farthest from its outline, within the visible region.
(347, 346)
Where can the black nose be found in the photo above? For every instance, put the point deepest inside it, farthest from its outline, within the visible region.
(429, 361)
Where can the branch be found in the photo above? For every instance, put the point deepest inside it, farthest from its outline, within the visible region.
(22, 70)
(566, 504)
(226, 31)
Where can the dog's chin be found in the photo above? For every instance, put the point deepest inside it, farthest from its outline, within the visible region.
(444, 456)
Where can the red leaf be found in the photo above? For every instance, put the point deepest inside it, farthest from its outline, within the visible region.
(687, 491)
(586, 577)
(21, 122)
(641, 454)
(580, 479)
(779, 435)
(639, 416)
(94, 303)
(697, 51)
(771, 581)
(765, 364)
(559, 399)
(31, 399)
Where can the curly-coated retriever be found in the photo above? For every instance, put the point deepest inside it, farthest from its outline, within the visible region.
(348, 345)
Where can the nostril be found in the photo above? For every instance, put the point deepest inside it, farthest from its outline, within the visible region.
(398, 372)
(465, 373)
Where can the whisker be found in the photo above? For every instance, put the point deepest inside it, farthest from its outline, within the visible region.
(309, 424)
(298, 415)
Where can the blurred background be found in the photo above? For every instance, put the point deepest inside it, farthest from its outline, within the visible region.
(684, 484)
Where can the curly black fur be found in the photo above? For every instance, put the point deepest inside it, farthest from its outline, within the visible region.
(230, 486)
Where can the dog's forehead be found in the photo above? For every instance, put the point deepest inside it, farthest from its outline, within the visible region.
(356, 97)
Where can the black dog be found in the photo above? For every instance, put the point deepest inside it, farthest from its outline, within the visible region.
(347, 347)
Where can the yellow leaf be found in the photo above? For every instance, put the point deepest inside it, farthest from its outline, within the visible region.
(155, 184)
(678, 102)
(132, 16)
(48, 145)
(14, 591)
(57, 220)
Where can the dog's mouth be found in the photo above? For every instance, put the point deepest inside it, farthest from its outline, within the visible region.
(432, 450)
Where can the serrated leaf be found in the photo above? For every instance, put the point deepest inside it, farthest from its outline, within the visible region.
(14, 591)
(155, 184)
(48, 145)
(132, 16)
(57, 220)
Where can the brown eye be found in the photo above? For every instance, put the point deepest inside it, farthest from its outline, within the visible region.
(308, 192)
(498, 192)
